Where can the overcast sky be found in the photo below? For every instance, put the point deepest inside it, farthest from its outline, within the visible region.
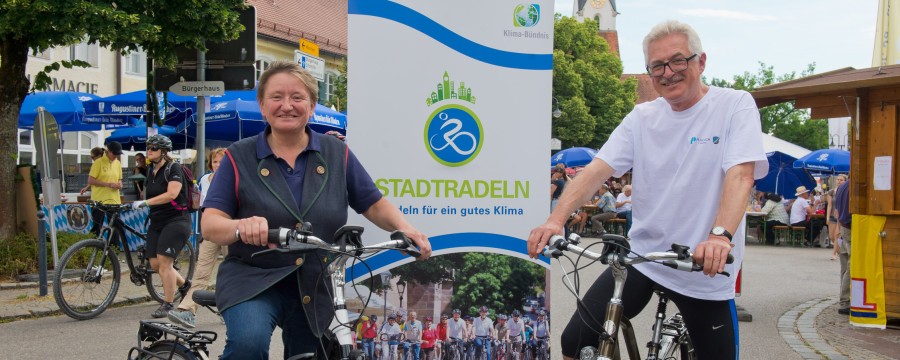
(738, 34)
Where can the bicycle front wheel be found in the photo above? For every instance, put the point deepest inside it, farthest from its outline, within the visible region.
(184, 265)
(83, 285)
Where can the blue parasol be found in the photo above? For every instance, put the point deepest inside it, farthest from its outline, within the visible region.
(135, 138)
(825, 161)
(67, 107)
(571, 157)
(783, 179)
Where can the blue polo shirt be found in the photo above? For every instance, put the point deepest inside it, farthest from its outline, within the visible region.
(842, 204)
(361, 190)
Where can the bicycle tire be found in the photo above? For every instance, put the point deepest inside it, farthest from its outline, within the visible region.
(184, 264)
(88, 295)
(168, 349)
(682, 348)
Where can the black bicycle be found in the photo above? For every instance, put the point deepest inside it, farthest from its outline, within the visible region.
(168, 341)
(670, 338)
(88, 273)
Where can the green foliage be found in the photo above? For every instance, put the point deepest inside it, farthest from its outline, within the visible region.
(19, 255)
(587, 83)
(497, 281)
(782, 120)
(42, 80)
(436, 269)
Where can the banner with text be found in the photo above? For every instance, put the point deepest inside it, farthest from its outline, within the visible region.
(451, 105)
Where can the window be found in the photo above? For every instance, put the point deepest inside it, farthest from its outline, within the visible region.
(330, 83)
(46, 54)
(70, 140)
(25, 137)
(86, 141)
(136, 63)
(261, 65)
(85, 52)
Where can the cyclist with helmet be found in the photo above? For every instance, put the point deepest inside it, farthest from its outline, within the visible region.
(456, 332)
(170, 223)
(390, 334)
(516, 329)
(469, 336)
(367, 332)
(484, 332)
(502, 333)
(429, 339)
(541, 331)
(441, 328)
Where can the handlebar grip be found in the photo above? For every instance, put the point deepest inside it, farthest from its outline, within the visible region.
(730, 259)
(279, 236)
(411, 248)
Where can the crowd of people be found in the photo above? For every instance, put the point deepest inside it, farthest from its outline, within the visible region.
(801, 212)
(398, 335)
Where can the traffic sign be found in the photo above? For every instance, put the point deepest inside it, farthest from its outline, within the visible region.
(309, 47)
(198, 88)
(314, 65)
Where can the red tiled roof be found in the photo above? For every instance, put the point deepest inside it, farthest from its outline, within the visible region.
(645, 90)
(321, 21)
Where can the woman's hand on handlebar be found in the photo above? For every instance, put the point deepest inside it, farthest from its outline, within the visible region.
(712, 253)
(254, 230)
(540, 236)
(420, 240)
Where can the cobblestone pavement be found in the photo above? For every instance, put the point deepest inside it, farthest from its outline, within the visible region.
(815, 330)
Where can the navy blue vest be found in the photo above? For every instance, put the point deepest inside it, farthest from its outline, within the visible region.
(263, 191)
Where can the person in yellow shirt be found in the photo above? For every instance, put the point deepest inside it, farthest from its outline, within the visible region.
(105, 180)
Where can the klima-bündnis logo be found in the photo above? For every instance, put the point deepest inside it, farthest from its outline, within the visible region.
(526, 15)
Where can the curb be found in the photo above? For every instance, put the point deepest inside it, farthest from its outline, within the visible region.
(53, 309)
(797, 327)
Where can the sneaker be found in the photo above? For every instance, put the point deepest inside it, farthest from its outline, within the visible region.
(163, 309)
(184, 288)
(182, 317)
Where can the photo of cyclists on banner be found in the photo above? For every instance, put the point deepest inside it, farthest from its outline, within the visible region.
(454, 306)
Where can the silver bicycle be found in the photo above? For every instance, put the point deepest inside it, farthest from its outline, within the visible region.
(670, 338)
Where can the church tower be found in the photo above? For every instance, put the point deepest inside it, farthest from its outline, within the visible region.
(604, 12)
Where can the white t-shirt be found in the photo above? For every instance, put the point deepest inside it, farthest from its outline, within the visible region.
(799, 210)
(679, 160)
(204, 182)
(455, 328)
(483, 327)
(621, 198)
(515, 327)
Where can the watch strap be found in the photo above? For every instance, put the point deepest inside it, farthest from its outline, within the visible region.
(724, 233)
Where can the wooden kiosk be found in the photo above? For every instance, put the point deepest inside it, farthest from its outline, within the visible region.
(871, 98)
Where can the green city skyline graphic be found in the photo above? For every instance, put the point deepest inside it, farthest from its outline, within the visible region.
(446, 90)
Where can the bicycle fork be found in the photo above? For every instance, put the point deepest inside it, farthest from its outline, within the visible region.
(654, 345)
(342, 330)
(614, 311)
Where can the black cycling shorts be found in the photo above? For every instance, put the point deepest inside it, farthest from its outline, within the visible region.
(169, 238)
(712, 324)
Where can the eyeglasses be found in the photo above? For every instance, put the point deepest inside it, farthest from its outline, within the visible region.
(153, 148)
(676, 65)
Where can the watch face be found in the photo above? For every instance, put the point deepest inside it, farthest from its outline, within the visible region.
(718, 230)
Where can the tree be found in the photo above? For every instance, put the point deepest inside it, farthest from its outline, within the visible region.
(497, 281)
(587, 83)
(782, 120)
(156, 26)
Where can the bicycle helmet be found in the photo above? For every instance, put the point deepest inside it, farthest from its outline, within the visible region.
(516, 313)
(365, 318)
(501, 317)
(428, 318)
(483, 309)
(456, 311)
(374, 318)
(392, 317)
(542, 313)
(160, 141)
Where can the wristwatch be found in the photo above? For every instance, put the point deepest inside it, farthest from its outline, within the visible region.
(720, 231)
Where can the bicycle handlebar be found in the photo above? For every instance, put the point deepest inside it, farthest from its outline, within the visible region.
(347, 240)
(616, 250)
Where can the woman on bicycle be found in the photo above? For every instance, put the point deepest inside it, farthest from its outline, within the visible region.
(287, 176)
(208, 254)
(170, 223)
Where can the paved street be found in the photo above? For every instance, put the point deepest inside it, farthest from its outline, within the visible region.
(790, 293)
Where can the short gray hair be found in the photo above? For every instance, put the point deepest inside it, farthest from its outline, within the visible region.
(669, 27)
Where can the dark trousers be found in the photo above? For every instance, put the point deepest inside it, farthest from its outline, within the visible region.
(770, 232)
(98, 217)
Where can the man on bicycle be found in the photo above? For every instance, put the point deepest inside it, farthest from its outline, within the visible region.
(456, 333)
(367, 332)
(484, 332)
(541, 332)
(516, 330)
(502, 335)
(413, 329)
(390, 335)
(696, 144)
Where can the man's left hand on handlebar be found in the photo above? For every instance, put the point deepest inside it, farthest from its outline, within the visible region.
(712, 253)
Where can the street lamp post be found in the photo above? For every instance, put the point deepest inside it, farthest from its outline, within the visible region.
(401, 287)
(556, 112)
(385, 280)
